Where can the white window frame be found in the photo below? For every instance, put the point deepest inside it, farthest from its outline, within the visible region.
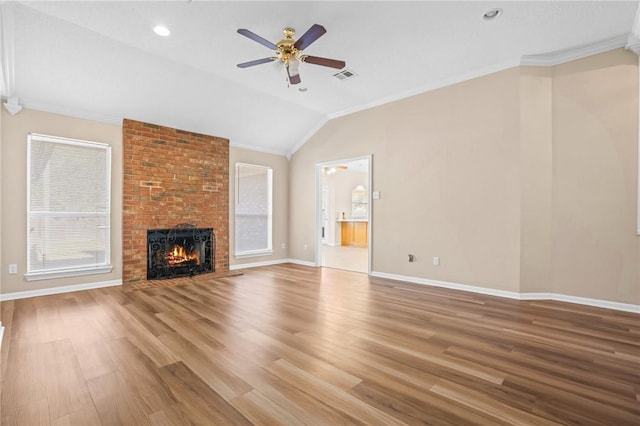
(269, 249)
(104, 267)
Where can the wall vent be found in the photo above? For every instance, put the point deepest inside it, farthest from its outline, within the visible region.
(345, 74)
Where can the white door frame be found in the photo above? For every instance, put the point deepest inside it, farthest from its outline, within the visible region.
(324, 199)
(318, 233)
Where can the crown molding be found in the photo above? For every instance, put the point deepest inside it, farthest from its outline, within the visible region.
(424, 89)
(579, 52)
(87, 115)
(12, 105)
(633, 44)
(544, 60)
(72, 112)
(258, 149)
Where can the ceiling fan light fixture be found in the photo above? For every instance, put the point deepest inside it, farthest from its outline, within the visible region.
(292, 71)
(293, 64)
(492, 14)
(162, 31)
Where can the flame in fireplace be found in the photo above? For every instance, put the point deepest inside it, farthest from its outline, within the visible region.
(179, 255)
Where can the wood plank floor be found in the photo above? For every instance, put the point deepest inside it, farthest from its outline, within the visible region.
(294, 345)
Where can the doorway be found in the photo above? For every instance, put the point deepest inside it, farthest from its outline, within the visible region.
(343, 214)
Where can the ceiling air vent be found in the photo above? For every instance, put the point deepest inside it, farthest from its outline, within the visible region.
(345, 74)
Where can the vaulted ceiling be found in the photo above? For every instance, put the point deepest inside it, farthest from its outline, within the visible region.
(102, 60)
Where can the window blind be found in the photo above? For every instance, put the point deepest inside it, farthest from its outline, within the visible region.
(253, 220)
(68, 205)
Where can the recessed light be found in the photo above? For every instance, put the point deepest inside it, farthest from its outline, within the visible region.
(161, 30)
(492, 14)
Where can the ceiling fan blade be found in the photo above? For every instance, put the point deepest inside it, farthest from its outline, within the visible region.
(255, 37)
(325, 62)
(312, 34)
(255, 62)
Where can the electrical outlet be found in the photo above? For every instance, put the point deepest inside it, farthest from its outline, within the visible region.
(436, 261)
(13, 269)
(284, 245)
(305, 247)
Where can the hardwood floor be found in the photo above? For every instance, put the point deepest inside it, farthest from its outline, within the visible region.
(294, 345)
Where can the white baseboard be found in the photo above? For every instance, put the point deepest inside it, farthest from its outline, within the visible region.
(301, 262)
(450, 285)
(607, 304)
(257, 264)
(269, 263)
(58, 290)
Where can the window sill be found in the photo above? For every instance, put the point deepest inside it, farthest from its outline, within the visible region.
(65, 273)
(256, 253)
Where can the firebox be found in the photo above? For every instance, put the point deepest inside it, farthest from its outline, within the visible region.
(180, 251)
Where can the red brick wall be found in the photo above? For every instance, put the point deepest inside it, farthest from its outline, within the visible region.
(171, 177)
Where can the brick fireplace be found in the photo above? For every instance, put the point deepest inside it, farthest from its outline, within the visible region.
(172, 177)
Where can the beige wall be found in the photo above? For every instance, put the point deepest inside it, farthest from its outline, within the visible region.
(447, 165)
(280, 167)
(595, 118)
(13, 198)
(14, 191)
(13, 219)
(536, 179)
(523, 180)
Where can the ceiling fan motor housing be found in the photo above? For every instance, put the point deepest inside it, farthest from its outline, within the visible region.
(286, 49)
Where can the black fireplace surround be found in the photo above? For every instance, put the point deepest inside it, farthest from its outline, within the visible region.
(181, 251)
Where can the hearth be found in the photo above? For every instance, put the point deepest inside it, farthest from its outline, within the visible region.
(180, 251)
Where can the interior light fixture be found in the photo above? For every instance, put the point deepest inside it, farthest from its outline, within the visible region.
(492, 14)
(293, 64)
(161, 30)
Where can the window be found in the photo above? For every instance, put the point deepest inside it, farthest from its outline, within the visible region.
(68, 207)
(359, 202)
(253, 210)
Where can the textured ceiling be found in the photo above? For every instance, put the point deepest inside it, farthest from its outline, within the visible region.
(102, 60)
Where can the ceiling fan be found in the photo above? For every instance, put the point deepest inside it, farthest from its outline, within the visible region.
(289, 51)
